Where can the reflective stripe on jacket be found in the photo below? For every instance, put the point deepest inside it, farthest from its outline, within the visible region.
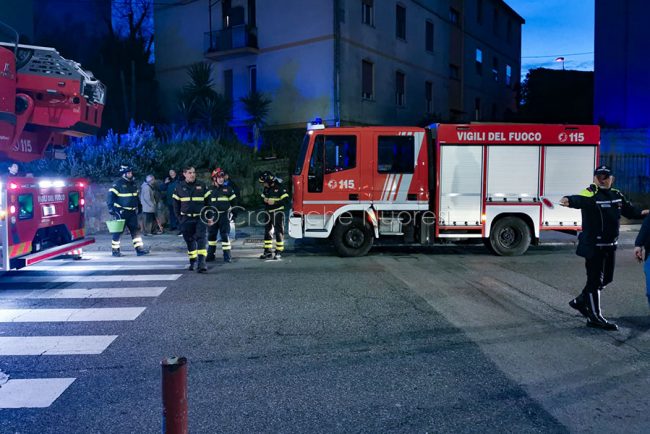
(189, 199)
(123, 194)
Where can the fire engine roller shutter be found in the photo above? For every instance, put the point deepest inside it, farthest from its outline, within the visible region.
(461, 178)
(568, 170)
(513, 173)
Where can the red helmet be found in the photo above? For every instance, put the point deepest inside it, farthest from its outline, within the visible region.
(218, 172)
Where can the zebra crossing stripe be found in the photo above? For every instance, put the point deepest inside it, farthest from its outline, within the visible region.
(70, 315)
(53, 345)
(90, 278)
(144, 291)
(105, 267)
(180, 258)
(32, 393)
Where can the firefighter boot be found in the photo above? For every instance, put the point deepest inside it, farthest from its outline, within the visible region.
(278, 255)
(141, 251)
(266, 255)
(201, 266)
(226, 257)
(595, 318)
(192, 263)
(211, 251)
(117, 253)
(580, 304)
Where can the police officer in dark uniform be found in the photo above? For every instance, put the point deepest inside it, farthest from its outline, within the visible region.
(190, 198)
(221, 199)
(601, 207)
(275, 198)
(123, 203)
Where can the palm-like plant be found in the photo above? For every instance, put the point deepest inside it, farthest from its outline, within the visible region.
(200, 104)
(256, 105)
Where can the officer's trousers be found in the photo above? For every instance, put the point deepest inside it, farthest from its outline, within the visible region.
(194, 233)
(600, 270)
(220, 227)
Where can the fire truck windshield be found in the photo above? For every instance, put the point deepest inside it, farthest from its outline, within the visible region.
(301, 156)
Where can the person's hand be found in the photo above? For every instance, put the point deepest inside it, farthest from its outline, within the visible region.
(210, 222)
(270, 201)
(645, 212)
(564, 201)
(639, 253)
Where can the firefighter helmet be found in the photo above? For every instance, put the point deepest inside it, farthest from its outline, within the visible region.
(266, 177)
(125, 168)
(218, 173)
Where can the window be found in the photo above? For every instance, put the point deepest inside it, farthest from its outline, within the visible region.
(400, 22)
(340, 153)
(252, 78)
(400, 78)
(368, 12)
(428, 42)
(428, 96)
(477, 109)
(25, 206)
(73, 201)
(367, 85)
(454, 72)
(508, 75)
(479, 61)
(495, 21)
(454, 17)
(396, 154)
(227, 84)
(301, 155)
(495, 68)
(479, 11)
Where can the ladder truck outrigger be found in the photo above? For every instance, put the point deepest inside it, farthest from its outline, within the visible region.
(44, 100)
(495, 182)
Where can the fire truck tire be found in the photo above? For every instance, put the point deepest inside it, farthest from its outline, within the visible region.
(353, 239)
(510, 236)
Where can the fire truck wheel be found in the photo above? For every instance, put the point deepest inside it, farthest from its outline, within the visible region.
(353, 239)
(510, 236)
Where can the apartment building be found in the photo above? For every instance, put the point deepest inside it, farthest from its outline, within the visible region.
(351, 62)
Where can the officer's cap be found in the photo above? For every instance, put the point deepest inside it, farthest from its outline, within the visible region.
(603, 170)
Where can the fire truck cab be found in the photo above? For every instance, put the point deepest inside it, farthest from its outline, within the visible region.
(410, 185)
(40, 219)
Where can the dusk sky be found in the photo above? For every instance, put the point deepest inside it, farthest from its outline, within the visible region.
(556, 28)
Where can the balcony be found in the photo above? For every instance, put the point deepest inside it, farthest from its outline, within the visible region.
(232, 42)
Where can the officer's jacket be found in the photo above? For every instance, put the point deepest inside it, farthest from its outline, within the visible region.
(601, 213)
(222, 197)
(123, 195)
(189, 199)
(278, 194)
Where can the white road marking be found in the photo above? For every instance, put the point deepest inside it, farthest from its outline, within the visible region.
(144, 291)
(53, 345)
(104, 267)
(90, 278)
(70, 315)
(32, 393)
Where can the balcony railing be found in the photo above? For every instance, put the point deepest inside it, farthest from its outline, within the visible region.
(236, 40)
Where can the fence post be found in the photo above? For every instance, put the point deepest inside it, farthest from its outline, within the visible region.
(174, 395)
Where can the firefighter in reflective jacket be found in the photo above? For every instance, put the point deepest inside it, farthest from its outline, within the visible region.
(221, 200)
(275, 198)
(123, 203)
(191, 198)
(601, 208)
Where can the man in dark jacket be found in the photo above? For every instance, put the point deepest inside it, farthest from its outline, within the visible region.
(601, 207)
(123, 203)
(642, 252)
(222, 197)
(275, 198)
(190, 199)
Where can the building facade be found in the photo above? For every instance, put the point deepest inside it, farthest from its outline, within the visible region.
(351, 62)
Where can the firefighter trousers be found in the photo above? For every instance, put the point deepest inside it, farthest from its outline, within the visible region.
(131, 222)
(274, 224)
(194, 234)
(222, 228)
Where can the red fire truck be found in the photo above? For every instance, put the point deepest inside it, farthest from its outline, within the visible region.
(409, 185)
(44, 99)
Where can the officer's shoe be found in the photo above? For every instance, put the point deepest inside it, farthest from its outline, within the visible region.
(192, 264)
(210, 258)
(601, 323)
(117, 253)
(277, 256)
(226, 257)
(266, 255)
(141, 251)
(579, 305)
(201, 267)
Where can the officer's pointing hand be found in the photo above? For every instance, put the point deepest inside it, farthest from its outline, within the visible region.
(564, 201)
(645, 212)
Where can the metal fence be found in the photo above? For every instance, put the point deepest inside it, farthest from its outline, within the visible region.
(632, 171)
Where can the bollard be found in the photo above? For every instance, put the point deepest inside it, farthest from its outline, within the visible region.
(174, 395)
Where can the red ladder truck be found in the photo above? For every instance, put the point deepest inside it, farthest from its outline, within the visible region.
(44, 100)
(422, 186)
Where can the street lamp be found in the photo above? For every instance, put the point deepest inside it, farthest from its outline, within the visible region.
(560, 59)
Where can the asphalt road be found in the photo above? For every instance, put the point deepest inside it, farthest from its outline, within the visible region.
(450, 339)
